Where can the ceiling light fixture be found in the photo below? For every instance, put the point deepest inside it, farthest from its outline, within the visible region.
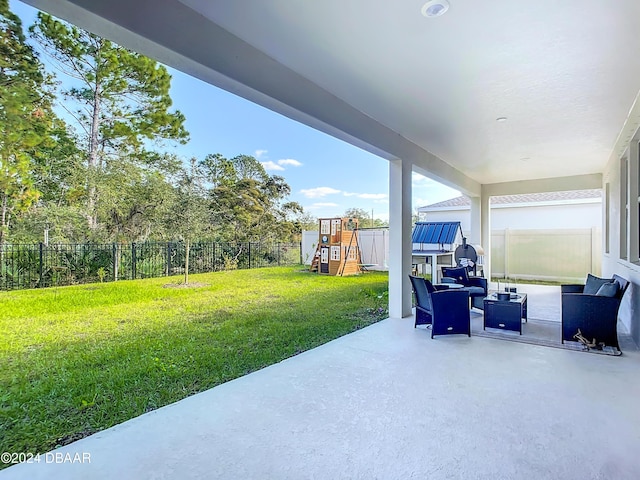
(501, 119)
(435, 8)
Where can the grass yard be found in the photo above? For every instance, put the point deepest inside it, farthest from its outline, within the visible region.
(76, 360)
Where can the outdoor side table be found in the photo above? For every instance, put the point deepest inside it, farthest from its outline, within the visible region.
(505, 314)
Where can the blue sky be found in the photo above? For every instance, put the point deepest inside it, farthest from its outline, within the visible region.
(326, 175)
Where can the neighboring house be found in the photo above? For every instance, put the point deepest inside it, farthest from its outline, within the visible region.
(550, 210)
(540, 236)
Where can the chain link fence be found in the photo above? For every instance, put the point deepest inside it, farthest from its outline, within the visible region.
(40, 265)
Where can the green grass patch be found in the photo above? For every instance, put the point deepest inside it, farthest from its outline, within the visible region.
(76, 360)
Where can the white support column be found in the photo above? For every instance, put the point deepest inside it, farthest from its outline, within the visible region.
(485, 215)
(474, 236)
(399, 238)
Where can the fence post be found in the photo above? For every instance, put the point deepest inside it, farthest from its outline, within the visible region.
(301, 260)
(214, 256)
(168, 258)
(41, 257)
(507, 240)
(249, 255)
(278, 253)
(115, 262)
(133, 261)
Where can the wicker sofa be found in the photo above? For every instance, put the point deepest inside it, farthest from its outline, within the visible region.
(593, 309)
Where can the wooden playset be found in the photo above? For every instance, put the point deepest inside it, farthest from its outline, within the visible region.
(338, 252)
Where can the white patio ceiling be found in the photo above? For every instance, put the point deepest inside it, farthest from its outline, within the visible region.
(429, 90)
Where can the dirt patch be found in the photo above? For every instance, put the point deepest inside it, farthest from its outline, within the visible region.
(67, 439)
(185, 285)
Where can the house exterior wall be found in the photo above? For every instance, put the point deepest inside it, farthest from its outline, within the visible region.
(614, 234)
(520, 217)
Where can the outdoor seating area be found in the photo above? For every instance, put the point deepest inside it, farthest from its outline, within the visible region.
(576, 317)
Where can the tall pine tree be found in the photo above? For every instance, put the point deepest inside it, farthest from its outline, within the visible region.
(25, 118)
(119, 99)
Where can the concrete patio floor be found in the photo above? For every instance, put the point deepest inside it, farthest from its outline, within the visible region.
(387, 402)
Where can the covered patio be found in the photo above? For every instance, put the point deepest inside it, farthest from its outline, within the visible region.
(496, 99)
(389, 402)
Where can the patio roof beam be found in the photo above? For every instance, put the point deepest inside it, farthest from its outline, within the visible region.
(544, 185)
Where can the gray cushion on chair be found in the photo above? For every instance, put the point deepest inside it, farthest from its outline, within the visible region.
(473, 291)
(594, 283)
(609, 289)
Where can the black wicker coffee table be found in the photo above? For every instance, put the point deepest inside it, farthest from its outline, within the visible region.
(505, 314)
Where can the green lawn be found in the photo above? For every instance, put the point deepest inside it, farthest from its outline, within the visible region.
(75, 360)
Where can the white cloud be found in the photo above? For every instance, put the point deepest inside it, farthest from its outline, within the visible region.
(367, 196)
(289, 161)
(269, 165)
(373, 196)
(318, 192)
(323, 204)
(260, 153)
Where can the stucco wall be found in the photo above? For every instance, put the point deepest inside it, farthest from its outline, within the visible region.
(566, 216)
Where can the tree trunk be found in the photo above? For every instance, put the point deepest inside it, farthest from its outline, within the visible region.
(187, 247)
(93, 165)
(4, 227)
(116, 261)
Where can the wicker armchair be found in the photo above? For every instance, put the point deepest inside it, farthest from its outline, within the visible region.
(447, 311)
(476, 286)
(595, 315)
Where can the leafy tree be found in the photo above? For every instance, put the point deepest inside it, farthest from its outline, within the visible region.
(247, 203)
(218, 170)
(134, 201)
(25, 118)
(306, 221)
(58, 169)
(63, 224)
(364, 218)
(120, 99)
(188, 217)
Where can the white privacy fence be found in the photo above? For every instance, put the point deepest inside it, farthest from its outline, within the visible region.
(560, 255)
